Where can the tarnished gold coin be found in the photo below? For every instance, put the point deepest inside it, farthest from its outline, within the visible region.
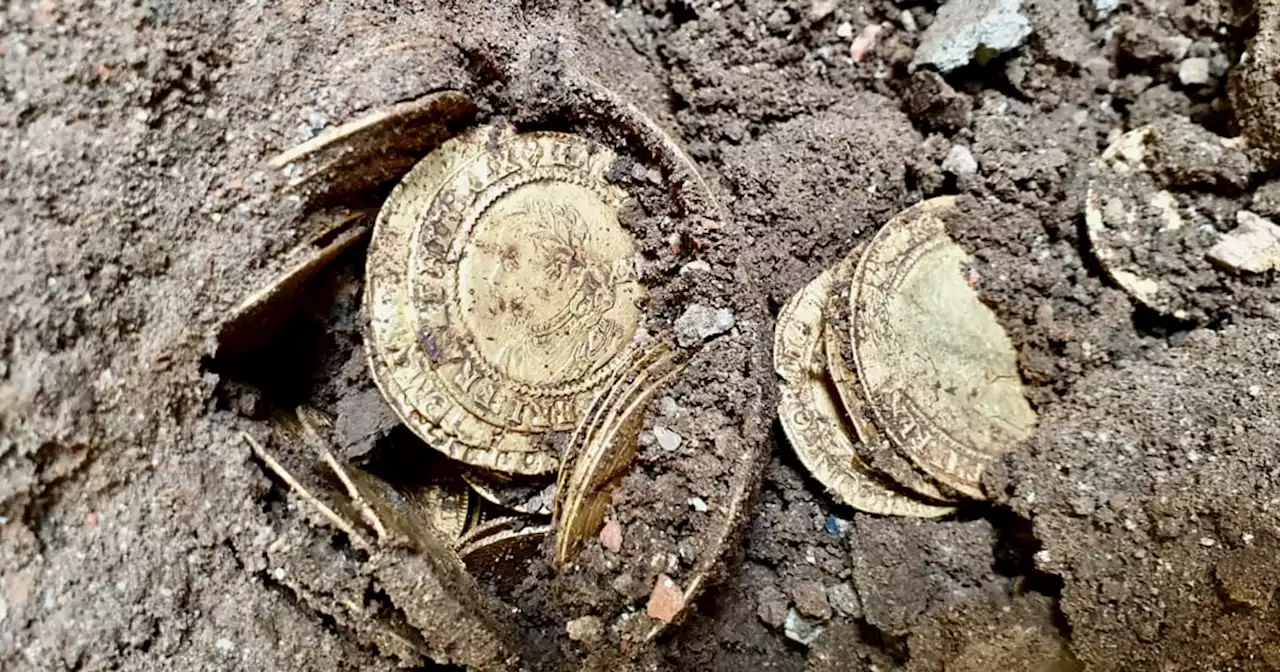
(934, 364)
(811, 418)
(374, 149)
(604, 447)
(501, 294)
(873, 448)
(1142, 234)
(499, 551)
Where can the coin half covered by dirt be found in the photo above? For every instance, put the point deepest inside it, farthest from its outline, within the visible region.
(935, 366)
(1161, 199)
(811, 416)
(873, 446)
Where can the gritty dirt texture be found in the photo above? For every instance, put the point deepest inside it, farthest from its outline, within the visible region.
(138, 531)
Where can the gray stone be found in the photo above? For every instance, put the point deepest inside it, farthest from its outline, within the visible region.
(965, 29)
(1194, 72)
(699, 322)
(960, 161)
(799, 630)
(843, 597)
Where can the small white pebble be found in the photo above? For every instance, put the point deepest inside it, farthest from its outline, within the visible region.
(1207, 542)
(844, 31)
(698, 504)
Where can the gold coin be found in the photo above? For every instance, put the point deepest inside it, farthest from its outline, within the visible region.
(1127, 209)
(375, 149)
(872, 448)
(604, 447)
(501, 294)
(810, 417)
(933, 363)
(499, 551)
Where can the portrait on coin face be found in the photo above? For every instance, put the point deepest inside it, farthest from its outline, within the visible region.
(550, 285)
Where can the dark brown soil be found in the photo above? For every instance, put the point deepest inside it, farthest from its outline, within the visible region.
(1136, 531)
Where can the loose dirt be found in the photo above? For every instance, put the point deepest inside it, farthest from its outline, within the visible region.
(1138, 529)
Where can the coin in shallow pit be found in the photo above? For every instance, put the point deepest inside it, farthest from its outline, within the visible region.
(501, 294)
(813, 421)
(872, 448)
(933, 363)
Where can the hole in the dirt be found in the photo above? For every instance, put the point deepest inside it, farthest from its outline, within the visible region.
(1015, 550)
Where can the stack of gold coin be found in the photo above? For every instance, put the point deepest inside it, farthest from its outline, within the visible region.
(898, 385)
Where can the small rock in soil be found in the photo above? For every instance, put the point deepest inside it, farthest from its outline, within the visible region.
(960, 161)
(1194, 72)
(666, 600)
(363, 418)
(771, 606)
(969, 29)
(845, 600)
(585, 629)
(611, 536)
(699, 322)
(667, 439)
(811, 600)
(1253, 246)
(928, 98)
(865, 42)
(799, 630)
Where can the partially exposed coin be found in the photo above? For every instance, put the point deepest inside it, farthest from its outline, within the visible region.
(873, 447)
(501, 294)
(1144, 235)
(811, 418)
(376, 148)
(604, 446)
(938, 371)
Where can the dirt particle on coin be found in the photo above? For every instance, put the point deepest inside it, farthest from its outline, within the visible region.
(585, 629)
(700, 322)
(611, 536)
(666, 601)
(811, 600)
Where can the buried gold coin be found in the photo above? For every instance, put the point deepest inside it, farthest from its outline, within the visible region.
(934, 364)
(604, 446)
(374, 149)
(873, 448)
(811, 417)
(1149, 239)
(501, 294)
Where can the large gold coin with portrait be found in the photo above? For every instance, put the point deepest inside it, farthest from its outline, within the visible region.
(501, 294)
(933, 362)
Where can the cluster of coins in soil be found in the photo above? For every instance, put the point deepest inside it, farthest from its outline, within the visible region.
(506, 324)
(898, 385)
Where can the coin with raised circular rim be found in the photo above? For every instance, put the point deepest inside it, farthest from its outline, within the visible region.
(501, 294)
(933, 362)
(873, 448)
(812, 420)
